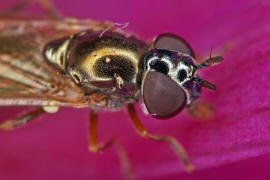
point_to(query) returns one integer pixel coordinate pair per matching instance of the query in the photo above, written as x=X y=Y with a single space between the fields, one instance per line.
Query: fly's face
x=170 y=81
x=167 y=73
x=177 y=66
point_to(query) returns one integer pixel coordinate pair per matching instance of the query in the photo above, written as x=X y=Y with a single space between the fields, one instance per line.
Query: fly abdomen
x=56 y=53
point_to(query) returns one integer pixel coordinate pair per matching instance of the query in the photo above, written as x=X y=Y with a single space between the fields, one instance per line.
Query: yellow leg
x=95 y=147
x=21 y=120
x=200 y=110
x=176 y=146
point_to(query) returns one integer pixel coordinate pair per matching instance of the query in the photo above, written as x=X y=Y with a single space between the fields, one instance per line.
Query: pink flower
x=55 y=147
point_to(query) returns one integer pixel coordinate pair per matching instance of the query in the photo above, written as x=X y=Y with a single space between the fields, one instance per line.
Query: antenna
x=210 y=62
x=205 y=83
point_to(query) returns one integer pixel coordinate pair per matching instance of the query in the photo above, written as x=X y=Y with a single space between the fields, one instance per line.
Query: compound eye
x=162 y=96
x=173 y=42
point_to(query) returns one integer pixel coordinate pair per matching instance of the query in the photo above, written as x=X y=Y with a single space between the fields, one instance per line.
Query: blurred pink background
x=55 y=146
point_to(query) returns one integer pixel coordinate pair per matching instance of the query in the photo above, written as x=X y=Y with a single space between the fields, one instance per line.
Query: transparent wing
x=25 y=78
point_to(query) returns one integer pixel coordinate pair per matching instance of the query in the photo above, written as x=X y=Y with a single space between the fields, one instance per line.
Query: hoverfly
x=84 y=63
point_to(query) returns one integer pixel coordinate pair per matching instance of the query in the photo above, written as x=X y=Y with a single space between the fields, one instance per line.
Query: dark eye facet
x=173 y=42
x=160 y=67
x=182 y=75
x=162 y=96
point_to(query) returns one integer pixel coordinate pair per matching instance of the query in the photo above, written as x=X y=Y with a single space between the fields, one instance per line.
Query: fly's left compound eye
x=162 y=96
x=173 y=42
x=162 y=92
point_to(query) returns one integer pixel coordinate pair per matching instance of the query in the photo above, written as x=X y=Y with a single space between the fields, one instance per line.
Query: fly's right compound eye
x=162 y=92
x=162 y=96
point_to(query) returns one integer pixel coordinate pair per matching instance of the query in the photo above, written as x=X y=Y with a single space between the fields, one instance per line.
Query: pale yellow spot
x=94 y=53
x=119 y=80
x=108 y=60
x=50 y=107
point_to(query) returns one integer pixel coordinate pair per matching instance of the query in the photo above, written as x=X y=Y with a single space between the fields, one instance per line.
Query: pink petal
x=253 y=168
x=56 y=146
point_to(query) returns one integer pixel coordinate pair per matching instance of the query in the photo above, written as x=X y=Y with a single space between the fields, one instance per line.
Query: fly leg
x=21 y=120
x=200 y=110
x=47 y=6
x=175 y=145
x=95 y=147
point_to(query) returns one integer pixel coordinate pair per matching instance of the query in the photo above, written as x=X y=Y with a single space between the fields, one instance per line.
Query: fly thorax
x=107 y=64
